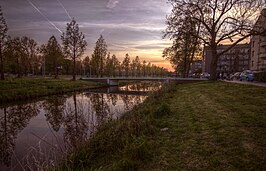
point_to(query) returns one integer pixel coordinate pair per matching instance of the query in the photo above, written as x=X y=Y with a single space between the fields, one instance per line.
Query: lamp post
x=43 y=69
x=90 y=71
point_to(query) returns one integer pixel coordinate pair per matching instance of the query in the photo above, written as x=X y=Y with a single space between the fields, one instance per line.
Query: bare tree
x=74 y=43
x=3 y=37
x=219 y=20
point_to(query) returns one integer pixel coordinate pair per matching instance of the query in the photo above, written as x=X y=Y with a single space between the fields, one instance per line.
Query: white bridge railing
x=115 y=80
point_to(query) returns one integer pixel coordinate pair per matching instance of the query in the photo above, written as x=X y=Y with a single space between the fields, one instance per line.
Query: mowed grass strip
x=195 y=126
x=215 y=126
x=26 y=88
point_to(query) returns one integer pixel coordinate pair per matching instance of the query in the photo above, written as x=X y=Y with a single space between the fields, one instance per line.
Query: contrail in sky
x=64 y=9
x=44 y=16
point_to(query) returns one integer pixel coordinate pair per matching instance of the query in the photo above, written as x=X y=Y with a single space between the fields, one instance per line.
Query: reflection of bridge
x=116 y=90
x=114 y=81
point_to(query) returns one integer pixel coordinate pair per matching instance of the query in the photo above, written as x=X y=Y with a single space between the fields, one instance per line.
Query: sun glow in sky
x=129 y=26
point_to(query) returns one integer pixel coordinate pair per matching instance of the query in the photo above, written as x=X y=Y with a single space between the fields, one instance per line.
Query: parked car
x=247 y=75
x=235 y=76
x=205 y=75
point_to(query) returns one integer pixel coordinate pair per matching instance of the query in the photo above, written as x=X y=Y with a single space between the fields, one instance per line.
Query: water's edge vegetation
x=182 y=127
x=29 y=88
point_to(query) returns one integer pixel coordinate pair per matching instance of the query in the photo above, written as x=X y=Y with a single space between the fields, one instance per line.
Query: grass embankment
x=196 y=126
x=27 y=88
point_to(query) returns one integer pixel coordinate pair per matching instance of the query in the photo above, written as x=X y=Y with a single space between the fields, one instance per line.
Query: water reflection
x=13 y=120
x=54 y=111
x=42 y=132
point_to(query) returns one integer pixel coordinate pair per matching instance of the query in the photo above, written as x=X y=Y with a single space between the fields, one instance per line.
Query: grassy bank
x=196 y=126
x=27 y=88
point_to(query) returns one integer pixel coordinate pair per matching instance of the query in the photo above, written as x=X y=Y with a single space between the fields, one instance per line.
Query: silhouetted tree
x=115 y=65
x=87 y=64
x=218 y=21
x=74 y=43
x=3 y=37
x=30 y=51
x=108 y=65
x=138 y=65
x=144 y=68
x=98 y=58
x=185 y=44
x=126 y=65
x=24 y=53
x=53 y=56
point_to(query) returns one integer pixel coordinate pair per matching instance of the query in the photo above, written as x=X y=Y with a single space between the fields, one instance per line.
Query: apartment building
x=258 y=45
x=196 y=66
x=235 y=60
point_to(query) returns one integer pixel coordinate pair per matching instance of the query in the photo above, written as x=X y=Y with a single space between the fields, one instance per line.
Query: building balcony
x=262 y=67
x=263 y=44
x=262 y=55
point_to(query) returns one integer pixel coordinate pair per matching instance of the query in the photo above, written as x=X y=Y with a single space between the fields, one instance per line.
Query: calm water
x=40 y=133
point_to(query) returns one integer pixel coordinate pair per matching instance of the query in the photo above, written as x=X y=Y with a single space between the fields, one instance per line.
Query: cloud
x=128 y=26
x=112 y=4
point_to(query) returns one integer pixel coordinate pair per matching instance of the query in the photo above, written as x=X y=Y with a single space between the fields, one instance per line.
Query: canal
x=39 y=133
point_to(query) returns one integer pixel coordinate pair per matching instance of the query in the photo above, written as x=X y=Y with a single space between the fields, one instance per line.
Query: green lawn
x=196 y=126
x=26 y=88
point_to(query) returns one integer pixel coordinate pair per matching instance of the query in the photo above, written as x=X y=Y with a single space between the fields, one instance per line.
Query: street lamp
x=43 y=69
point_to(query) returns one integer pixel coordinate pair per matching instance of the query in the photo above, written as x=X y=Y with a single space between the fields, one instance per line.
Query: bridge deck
x=145 y=78
x=114 y=81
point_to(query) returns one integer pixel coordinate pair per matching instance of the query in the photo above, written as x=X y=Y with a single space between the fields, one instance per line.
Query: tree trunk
x=101 y=67
x=214 y=59
x=74 y=69
x=56 y=72
x=76 y=119
x=2 y=64
x=19 y=68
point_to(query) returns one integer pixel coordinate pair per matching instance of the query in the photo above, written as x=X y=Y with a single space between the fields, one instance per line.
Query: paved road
x=248 y=83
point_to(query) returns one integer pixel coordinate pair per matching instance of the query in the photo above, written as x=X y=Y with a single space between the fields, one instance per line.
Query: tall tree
x=144 y=68
x=24 y=53
x=126 y=65
x=87 y=65
x=74 y=43
x=218 y=21
x=53 y=56
x=108 y=65
x=115 y=66
x=138 y=65
x=99 y=56
x=185 y=44
x=30 y=51
x=3 y=37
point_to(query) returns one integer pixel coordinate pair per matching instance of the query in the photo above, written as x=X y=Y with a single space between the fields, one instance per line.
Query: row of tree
x=22 y=56
x=103 y=64
x=196 y=23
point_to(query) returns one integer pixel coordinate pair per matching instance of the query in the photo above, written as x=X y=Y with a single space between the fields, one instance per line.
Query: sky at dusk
x=128 y=26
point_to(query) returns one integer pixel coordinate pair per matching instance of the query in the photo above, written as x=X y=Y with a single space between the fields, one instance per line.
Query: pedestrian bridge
x=115 y=80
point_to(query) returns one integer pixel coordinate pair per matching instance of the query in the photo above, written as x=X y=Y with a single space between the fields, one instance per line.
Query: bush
x=260 y=76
